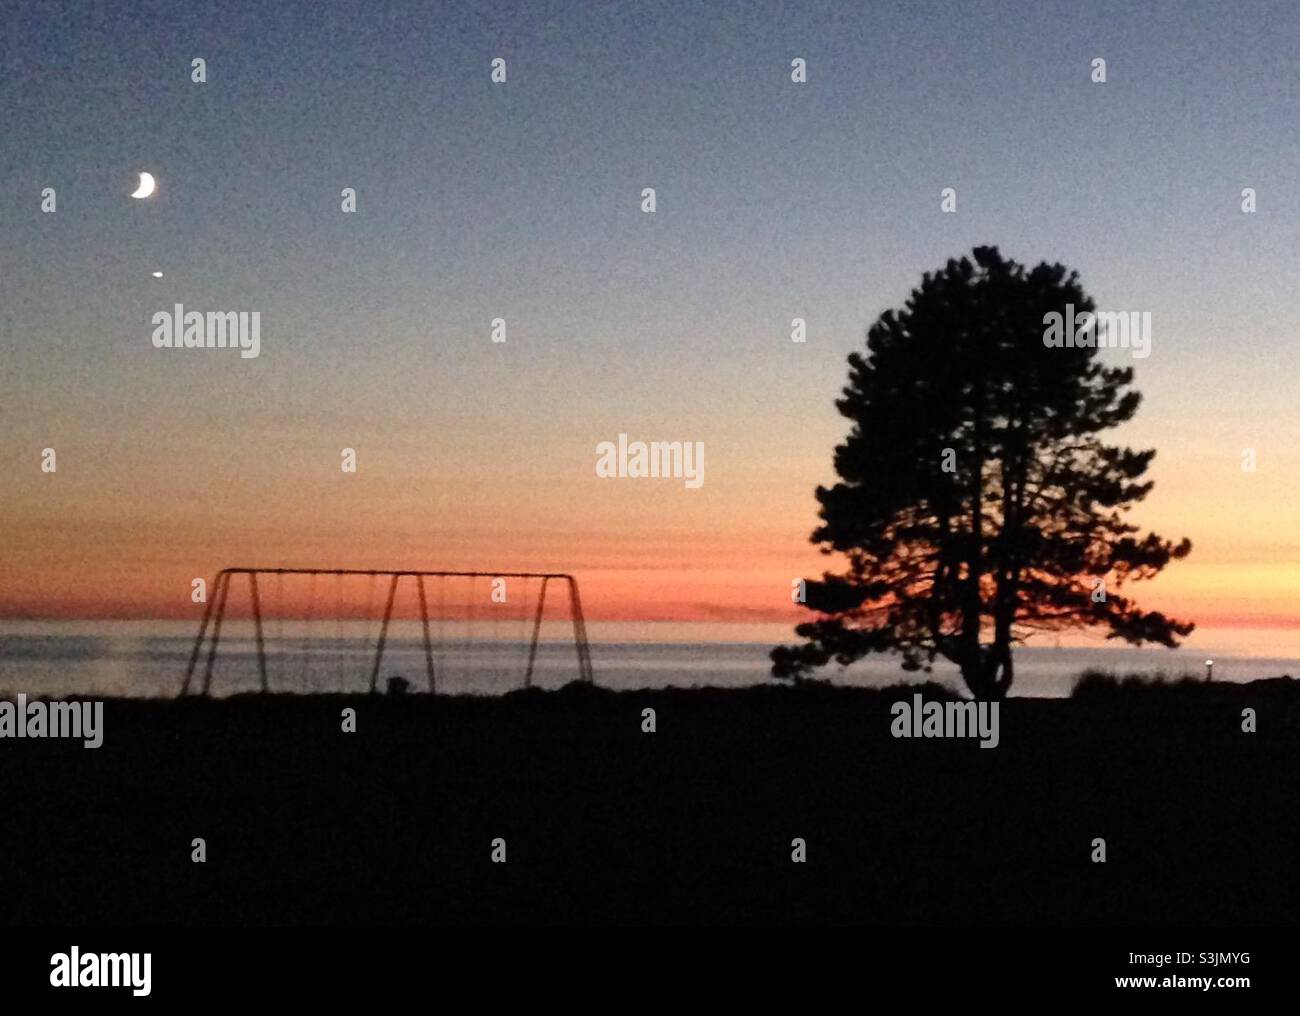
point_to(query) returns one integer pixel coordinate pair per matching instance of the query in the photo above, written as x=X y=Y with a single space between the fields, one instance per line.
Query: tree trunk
x=989 y=673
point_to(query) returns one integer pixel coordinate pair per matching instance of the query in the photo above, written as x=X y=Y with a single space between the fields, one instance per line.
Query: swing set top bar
x=398 y=571
x=222 y=591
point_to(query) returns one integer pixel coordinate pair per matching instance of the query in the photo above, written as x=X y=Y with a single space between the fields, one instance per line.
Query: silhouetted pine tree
x=977 y=502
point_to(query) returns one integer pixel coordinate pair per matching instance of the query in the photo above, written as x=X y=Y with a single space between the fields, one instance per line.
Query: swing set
x=449 y=651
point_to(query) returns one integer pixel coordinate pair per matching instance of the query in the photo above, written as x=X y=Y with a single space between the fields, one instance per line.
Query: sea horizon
x=149 y=658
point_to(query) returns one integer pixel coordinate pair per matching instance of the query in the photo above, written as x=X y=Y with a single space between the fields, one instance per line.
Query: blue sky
x=522 y=201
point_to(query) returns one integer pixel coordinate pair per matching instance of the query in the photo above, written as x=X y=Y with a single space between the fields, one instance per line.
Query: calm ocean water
x=149 y=658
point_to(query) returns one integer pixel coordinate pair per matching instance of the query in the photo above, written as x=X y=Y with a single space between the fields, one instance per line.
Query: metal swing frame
x=216 y=612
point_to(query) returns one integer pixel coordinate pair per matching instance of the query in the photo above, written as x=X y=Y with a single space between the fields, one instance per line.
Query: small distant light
x=157 y=275
x=1209 y=663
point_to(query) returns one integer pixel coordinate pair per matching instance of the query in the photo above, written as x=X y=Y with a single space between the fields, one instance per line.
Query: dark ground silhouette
x=604 y=823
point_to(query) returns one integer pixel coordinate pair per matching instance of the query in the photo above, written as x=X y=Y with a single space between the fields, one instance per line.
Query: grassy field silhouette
x=305 y=824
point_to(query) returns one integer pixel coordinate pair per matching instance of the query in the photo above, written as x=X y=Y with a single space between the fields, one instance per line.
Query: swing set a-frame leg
x=428 y=645
x=537 y=629
x=383 y=634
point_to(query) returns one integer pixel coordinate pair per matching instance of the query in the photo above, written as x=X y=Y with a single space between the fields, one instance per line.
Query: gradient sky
x=522 y=201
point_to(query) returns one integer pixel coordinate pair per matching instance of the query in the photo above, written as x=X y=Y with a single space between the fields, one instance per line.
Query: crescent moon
x=147 y=186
